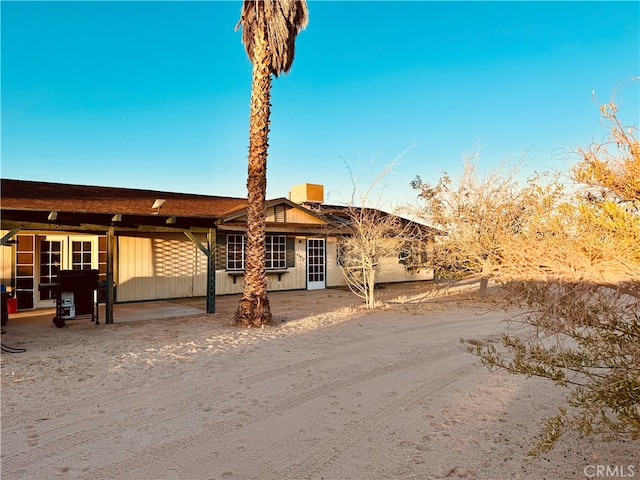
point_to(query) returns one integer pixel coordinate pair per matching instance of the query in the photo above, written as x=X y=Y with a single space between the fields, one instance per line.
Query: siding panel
x=171 y=266
x=163 y=266
x=298 y=216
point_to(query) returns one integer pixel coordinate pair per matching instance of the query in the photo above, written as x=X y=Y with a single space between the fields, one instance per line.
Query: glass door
x=315 y=263
x=50 y=264
x=25 y=276
x=62 y=252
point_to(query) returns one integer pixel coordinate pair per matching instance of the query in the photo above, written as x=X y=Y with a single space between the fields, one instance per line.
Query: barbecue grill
x=76 y=297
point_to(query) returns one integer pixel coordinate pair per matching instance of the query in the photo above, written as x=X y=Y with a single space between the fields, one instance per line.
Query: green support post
x=210 y=252
x=110 y=293
x=211 y=271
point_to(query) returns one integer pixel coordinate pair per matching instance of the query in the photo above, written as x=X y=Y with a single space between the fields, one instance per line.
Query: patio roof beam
x=197 y=242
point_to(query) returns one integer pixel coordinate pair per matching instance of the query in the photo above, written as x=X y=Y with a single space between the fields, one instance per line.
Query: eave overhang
x=100 y=222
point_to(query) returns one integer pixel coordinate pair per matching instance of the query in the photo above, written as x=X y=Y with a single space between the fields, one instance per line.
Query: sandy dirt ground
x=330 y=392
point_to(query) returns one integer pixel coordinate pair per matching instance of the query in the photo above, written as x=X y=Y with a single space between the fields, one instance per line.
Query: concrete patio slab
x=125 y=312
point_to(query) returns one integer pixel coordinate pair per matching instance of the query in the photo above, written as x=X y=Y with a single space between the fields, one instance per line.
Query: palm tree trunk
x=254 y=310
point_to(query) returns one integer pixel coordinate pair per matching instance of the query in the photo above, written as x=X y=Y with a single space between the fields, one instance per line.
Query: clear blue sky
x=155 y=95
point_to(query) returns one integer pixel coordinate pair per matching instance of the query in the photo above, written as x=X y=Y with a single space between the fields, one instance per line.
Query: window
x=275 y=251
x=235 y=252
x=102 y=268
x=413 y=255
x=50 y=259
x=25 y=274
x=81 y=252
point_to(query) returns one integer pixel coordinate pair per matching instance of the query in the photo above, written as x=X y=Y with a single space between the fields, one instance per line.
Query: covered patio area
x=125 y=312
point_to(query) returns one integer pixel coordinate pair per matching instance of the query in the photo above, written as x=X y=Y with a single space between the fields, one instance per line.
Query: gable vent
x=279 y=213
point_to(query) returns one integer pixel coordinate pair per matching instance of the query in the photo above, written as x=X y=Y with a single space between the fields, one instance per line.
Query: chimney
x=307 y=193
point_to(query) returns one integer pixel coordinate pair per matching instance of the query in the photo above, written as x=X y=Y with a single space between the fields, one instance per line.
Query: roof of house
x=344 y=215
x=34 y=204
x=30 y=195
x=44 y=205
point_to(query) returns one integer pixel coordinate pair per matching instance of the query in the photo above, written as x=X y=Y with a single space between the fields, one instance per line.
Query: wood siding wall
x=393 y=271
x=169 y=265
x=294 y=279
x=160 y=266
x=390 y=269
x=291 y=215
x=334 y=274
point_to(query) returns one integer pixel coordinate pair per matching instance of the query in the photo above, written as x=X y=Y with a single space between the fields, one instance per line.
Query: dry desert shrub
x=568 y=253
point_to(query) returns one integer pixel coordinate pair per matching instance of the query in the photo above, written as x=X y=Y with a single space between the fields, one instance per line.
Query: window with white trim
x=81 y=252
x=235 y=252
x=275 y=251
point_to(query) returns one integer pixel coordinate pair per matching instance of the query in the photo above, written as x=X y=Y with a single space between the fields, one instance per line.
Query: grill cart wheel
x=58 y=322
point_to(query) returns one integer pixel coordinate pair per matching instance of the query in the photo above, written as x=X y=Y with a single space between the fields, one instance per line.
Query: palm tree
x=269 y=29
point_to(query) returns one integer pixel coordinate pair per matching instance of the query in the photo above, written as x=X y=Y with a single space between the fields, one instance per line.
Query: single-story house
x=150 y=245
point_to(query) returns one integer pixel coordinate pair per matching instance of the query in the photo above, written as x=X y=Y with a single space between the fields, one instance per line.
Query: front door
x=51 y=263
x=315 y=263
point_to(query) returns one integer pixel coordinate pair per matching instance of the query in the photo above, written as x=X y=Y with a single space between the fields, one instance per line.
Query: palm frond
x=283 y=20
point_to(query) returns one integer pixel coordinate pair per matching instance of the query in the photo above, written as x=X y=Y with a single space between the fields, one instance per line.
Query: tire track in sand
x=87 y=424
x=327 y=451
x=190 y=457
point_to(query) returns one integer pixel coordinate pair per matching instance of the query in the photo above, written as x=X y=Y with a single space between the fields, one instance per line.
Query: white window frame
x=81 y=259
x=275 y=252
x=235 y=239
